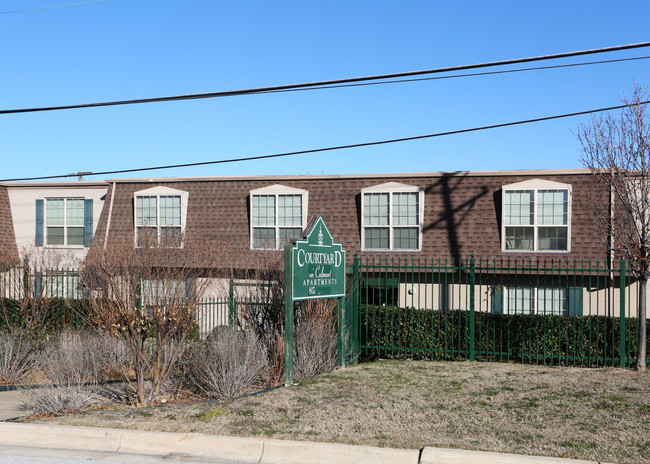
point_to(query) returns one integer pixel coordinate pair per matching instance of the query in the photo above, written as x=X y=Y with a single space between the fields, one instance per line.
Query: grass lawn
x=596 y=414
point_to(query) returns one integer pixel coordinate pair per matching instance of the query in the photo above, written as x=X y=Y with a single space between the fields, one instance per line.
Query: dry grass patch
x=597 y=414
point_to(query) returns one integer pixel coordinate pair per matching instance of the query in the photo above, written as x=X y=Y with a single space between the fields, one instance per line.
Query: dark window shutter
x=496 y=299
x=88 y=221
x=40 y=214
x=575 y=301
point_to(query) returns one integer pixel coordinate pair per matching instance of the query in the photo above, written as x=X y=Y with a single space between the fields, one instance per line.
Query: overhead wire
x=332 y=148
x=454 y=76
x=25 y=10
x=328 y=83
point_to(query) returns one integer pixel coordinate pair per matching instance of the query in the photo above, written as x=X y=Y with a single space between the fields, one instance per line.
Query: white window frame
x=65 y=225
x=277 y=190
x=158 y=192
x=535 y=185
x=535 y=300
x=392 y=188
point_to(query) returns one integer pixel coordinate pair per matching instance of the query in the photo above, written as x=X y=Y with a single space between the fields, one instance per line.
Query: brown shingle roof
x=461 y=210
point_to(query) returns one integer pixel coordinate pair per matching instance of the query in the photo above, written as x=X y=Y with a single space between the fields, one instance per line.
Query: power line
x=50 y=7
x=338 y=147
x=454 y=76
x=327 y=83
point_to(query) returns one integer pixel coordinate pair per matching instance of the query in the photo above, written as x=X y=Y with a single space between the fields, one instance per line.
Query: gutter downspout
x=110 y=215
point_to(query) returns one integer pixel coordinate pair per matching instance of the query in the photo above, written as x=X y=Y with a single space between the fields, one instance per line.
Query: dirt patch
x=596 y=414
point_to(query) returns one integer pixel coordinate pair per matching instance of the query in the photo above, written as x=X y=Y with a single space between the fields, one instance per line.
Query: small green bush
x=393 y=332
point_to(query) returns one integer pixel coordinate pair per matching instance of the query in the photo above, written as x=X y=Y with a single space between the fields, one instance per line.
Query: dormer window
x=392 y=217
x=536 y=216
x=160 y=215
x=278 y=216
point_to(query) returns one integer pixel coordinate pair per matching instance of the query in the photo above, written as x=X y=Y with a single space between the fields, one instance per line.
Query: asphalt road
x=28 y=455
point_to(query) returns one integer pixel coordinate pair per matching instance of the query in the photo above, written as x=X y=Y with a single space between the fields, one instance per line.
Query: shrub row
x=55 y=315
x=393 y=332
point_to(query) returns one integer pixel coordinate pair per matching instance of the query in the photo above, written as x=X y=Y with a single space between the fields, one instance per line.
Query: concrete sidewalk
x=11 y=404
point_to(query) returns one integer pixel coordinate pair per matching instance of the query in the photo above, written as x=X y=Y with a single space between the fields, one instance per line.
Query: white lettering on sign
x=305 y=257
x=319 y=282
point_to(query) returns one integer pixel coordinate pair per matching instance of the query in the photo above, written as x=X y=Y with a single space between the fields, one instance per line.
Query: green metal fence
x=533 y=311
x=61 y=301
x=553 y=312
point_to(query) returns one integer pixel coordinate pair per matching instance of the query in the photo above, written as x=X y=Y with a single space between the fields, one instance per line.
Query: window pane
x=54 y=212
x=405 y=238
x=289 y=235
x=290 y=210
x=147 y=236
x=55 y=236
x=75 y=235
x=405 y=209
x=552 y=238
x=519 y=300
x=264 y=239
x=552 y=207
x=264 y=210
x=519 y=238
x=170 y=210
x=146 y=213
x=377 y=238
x=75 y=212
x=552 y=301
x=375 y=209
x=518 y=207
x=170 y=236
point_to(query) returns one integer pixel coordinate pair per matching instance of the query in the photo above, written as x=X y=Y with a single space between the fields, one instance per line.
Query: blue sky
x=128 y=49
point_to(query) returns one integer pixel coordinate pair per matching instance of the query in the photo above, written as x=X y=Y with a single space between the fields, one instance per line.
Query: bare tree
x=146 y=296
x=617 y=150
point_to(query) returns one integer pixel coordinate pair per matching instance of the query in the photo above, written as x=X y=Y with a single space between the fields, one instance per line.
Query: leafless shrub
x=315 y=338
x=146 y=297
x=17 y=357
x=227 y=363
x=262 y=310
x=71 y=370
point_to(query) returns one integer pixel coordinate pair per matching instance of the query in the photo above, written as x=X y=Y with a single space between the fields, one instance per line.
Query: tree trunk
x=641 y=342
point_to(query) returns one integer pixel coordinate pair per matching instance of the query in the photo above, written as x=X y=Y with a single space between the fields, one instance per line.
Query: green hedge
x=392 y=332
x=60 y=314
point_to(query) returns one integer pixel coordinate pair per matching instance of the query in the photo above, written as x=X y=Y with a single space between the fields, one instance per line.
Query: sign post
x=314 y=268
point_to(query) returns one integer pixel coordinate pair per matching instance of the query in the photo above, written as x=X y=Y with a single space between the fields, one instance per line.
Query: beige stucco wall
x=22 y=200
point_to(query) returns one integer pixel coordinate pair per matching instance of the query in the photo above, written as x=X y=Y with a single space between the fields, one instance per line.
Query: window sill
x=381 y=250
x=554 y=252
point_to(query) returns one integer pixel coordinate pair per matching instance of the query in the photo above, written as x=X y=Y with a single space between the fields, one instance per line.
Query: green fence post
x=623 y=354
x=355 y=311
x=472 y=289
x=341 y=334
x=138 y=292
x=288 y=318
x=231 y=304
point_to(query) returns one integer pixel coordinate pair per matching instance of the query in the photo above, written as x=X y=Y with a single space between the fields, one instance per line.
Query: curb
x=456 y=456
x=262 y=451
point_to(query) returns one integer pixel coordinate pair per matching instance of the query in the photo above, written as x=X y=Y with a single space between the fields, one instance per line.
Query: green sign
x=318 y=265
